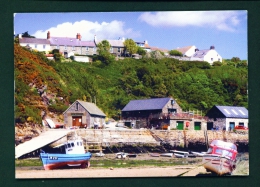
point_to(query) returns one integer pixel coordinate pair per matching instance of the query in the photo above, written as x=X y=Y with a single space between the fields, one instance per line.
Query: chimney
x=145 y=42
x=78 y=36
x=212 y=47
x=95 y=38
x=48 y=35
x=196 y=50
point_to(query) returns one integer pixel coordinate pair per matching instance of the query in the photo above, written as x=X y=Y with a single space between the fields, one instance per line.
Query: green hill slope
x=43 y=85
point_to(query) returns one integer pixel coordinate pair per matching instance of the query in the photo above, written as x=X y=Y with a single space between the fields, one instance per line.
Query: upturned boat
x=220 y=158
x=75 y=156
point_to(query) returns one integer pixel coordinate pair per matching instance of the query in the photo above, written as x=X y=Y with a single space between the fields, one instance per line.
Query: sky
x=226 y=30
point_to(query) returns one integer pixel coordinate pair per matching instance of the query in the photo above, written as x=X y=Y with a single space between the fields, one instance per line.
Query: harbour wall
x=195 y=140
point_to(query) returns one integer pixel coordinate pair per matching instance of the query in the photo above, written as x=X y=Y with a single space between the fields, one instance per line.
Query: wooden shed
x=83 y=114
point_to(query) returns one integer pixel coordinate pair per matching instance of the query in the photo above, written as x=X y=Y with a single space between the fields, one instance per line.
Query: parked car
x=241 y=127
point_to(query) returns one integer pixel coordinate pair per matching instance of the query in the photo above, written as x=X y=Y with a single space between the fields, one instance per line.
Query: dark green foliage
x=104 y=54
x=175 y=53
x=141 y=51
x=27 y=35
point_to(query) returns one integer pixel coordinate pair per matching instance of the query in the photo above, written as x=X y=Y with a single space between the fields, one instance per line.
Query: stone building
x=83 y=114
x=227 y=117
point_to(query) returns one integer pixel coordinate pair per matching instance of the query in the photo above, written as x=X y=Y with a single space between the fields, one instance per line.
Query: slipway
x=42 y=140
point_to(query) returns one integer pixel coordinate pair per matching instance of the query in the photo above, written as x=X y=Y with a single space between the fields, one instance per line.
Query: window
x=72 y=144
x=77 y=106
x=111 y=49
x=87 y=48
x=73 y=48
x=94 y=49
x=241 y=124
x=57 y=47
x=43 y=46
x=211 y=59
x=35 y=46
x=65 y=47
x=118 y=50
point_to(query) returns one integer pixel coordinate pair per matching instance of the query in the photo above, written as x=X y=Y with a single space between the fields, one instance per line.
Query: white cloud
x=87 y=29
x=221 y=20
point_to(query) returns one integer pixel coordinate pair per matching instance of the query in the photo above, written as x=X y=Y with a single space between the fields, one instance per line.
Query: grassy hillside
x=195 y=85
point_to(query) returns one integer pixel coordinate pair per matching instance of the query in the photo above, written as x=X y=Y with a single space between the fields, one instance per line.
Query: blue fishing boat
x=75 y=156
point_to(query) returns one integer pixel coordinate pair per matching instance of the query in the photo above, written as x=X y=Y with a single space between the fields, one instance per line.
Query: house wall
x=38 y=47
x=81 y=58
x=169 y=106
x=190 y=52
x=225 y=122
x=212 y=56
x=81 y=50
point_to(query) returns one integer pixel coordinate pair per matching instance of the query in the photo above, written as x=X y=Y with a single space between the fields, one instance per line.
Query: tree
x=175 y=53
x=27 y=35
x=130 y=46
x=104 y=52
x=141 y=51
x=103 y=47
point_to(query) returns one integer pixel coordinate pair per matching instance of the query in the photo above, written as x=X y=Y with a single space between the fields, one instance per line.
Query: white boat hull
x=167 y=154
x=218 y=164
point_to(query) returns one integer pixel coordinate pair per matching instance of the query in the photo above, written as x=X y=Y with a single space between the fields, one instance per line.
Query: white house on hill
x=187 y=51
x=208 y=55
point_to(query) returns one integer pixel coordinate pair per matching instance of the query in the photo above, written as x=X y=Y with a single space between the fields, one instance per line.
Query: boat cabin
x=219 y=147
x=74 y=147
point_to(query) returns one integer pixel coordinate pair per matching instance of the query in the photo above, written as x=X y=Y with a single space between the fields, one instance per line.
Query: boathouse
x=150 y=113
x=83 y=114
x=227 y=117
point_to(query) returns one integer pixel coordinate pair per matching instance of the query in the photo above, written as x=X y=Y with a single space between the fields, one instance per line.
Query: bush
x=57 y=108
x=175 y=53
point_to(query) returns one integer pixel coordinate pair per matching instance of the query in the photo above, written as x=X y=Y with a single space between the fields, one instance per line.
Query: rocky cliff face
x=26 y=131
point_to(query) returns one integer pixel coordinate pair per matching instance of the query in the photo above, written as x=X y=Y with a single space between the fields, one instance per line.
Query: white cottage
x=83 y=114
x=208 y=55
x=35 y=43
x=187 y=51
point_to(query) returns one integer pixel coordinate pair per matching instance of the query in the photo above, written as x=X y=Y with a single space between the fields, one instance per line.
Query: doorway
x=209 y=125
x=77 y=121
x=231 y=126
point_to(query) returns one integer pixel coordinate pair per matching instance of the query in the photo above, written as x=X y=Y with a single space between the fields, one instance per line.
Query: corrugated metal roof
x=33 y=40
x=91 y=108
x=233 y=111
x=146 y=104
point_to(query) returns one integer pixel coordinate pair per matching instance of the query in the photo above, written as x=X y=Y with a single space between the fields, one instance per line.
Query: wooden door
x=77 y=121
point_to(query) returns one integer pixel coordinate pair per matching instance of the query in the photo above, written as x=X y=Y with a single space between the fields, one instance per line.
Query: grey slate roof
x=201 y=53
x=91 y=108
x=233 y=111
x=146 y=104
x=33 y=40
x=113 y=43
x=62 y=41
